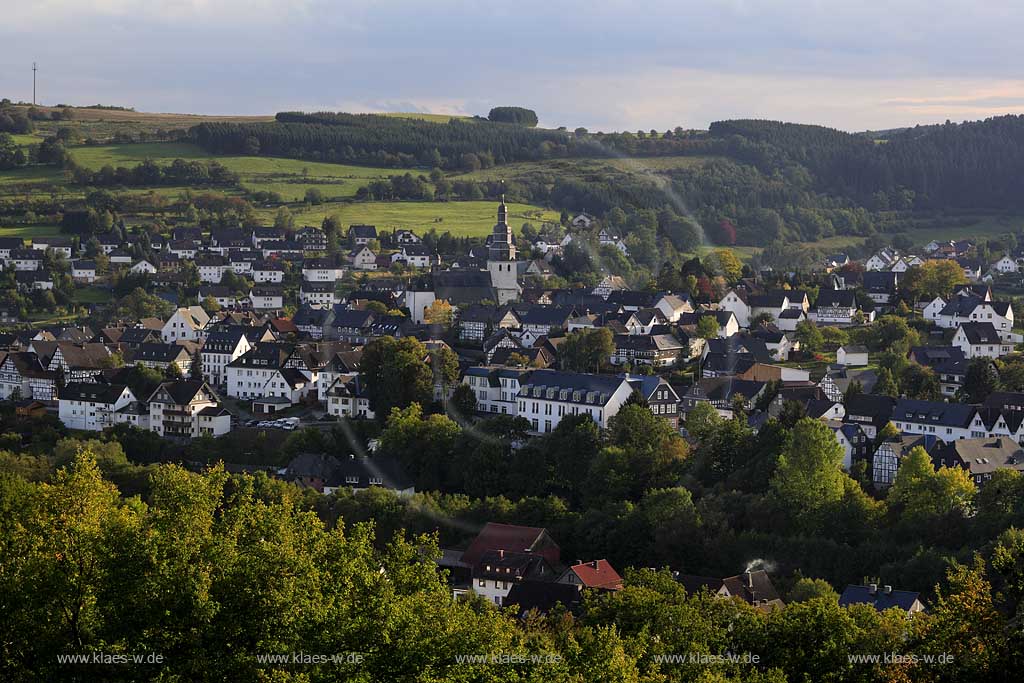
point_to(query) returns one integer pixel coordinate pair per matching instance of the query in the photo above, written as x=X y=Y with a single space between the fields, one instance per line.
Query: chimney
x=887 y=590
x=594 y=564
x=872 y=589
x=750 y=579
x=501 y=553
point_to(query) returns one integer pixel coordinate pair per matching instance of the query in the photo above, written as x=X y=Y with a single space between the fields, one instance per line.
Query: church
x=498 y=283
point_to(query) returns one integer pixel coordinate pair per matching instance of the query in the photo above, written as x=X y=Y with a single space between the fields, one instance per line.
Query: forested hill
x=966 y=166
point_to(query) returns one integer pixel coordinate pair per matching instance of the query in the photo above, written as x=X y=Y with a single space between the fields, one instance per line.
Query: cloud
x=607 y=64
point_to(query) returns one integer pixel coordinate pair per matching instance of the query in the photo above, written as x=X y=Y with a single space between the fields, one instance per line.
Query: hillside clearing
x=461 y=219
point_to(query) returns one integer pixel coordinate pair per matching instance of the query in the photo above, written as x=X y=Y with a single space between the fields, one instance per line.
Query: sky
x=602 y=64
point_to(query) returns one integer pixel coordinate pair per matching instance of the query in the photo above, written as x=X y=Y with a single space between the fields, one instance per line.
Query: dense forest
x=754 y=182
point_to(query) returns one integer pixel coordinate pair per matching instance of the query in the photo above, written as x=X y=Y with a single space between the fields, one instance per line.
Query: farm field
x=288 y=177
x=103 y=124
x=461 y=219
x=25 y=140
x=29 y=231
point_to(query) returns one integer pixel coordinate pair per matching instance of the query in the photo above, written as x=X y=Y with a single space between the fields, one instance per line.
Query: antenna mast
x=34 y=69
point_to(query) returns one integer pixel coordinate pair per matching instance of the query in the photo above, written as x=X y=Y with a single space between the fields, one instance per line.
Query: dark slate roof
x=980 y=333
x=633 y=298
x=266 y=356
x=91 y=392
x=139 y=335
x=158 y=352
x=547 y=316
x=880 y=600
x=933 y=412
x=364 y=231
x=770 y=300
x=388 y=470
x=937 y=356
x=837 y=298
x=880 y=408
x=573 y=381
x=542 y=596
x=463 y=286
x=307 y=316
x=347 y=317
x=880 y=281
x=182 y=391
x=317 y=287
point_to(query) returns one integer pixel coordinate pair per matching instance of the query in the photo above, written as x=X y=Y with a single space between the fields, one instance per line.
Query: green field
x=24 y=140
x=288 y=177
x=29 y=231
x=29 y=175
x=462 y=219
x=436 y=118
x=92 y=295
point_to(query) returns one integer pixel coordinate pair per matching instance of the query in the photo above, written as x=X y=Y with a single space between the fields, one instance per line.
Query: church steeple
x=501 y=247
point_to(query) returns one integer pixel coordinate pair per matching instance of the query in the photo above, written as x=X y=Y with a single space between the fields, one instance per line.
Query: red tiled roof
x=597 y=574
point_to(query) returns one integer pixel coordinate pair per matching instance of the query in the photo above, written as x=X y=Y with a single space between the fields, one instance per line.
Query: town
x=893 y=353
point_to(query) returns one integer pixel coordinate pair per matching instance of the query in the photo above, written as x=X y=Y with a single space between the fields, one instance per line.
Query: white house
x=416 y=256
x=319 y=294
x=320 y=270
x=1006 y=265
x=736 y=303
x=222 y=345
x=187 y=409
x=266 y=298
x=549 y=395
x=964 y=309
x=83 y=271
x=91 y=406
x=268 y=272
x=852 y=355
x=361 y=258
x=185 y=323
x=980 y=340
x=835 y=307
x=141 y=267
x=347 y=397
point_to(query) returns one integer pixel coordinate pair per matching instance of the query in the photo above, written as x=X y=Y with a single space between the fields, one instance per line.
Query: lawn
x=29 y=231
x=92 y=295
x=462 y=219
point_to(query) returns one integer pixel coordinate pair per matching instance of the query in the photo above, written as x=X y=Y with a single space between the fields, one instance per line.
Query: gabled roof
x=836 y=298
x=541 y=596
x=92 y=392
x=879 y=599
x=183 y=391
x=933 y=412
x=597 y=574
x=508 y=537
x=980 y=333
x=158 y=352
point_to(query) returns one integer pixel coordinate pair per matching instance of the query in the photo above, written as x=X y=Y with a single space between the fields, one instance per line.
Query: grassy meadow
x=30 y=231
x=462 y=219
x=288 y=177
